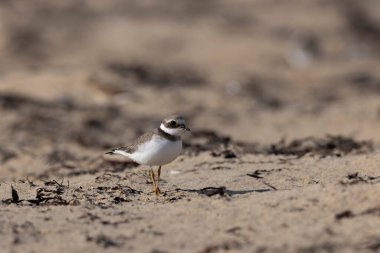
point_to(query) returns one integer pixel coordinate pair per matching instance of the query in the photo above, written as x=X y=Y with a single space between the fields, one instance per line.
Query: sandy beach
x=282 y=98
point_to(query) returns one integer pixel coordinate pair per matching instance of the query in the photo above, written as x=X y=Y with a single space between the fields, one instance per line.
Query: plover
x=157 y=147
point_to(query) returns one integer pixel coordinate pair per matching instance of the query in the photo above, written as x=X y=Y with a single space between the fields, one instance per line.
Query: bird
x=157 y=147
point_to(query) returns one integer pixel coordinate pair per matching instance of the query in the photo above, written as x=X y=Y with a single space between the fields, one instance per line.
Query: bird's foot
x=157 y=191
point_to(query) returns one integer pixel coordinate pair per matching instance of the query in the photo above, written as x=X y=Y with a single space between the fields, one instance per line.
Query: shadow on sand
x=222 y=190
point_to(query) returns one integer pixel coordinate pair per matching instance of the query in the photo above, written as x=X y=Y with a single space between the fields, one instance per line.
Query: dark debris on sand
x=156 y=76
x=54 y=193
x=105 y=241
x=15 y=199
x=329 y=146
x=218 y=145
x=224 y=146
x=355 y=178
x=63 y=120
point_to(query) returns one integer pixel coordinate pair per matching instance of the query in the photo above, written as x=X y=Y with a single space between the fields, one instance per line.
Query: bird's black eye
x=172 y=123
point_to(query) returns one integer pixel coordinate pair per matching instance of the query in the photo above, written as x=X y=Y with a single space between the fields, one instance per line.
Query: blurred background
x=85 y=76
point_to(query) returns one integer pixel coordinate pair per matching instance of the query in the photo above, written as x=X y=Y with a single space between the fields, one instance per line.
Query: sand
x=282 y=98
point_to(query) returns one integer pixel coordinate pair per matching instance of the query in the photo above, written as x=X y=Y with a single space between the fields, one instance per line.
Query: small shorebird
x=157 y=147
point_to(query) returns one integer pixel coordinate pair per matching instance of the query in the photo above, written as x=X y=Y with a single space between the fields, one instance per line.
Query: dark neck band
x=167 y=135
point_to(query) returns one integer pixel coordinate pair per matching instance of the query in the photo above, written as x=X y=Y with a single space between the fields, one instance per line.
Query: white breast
x=157 y=151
